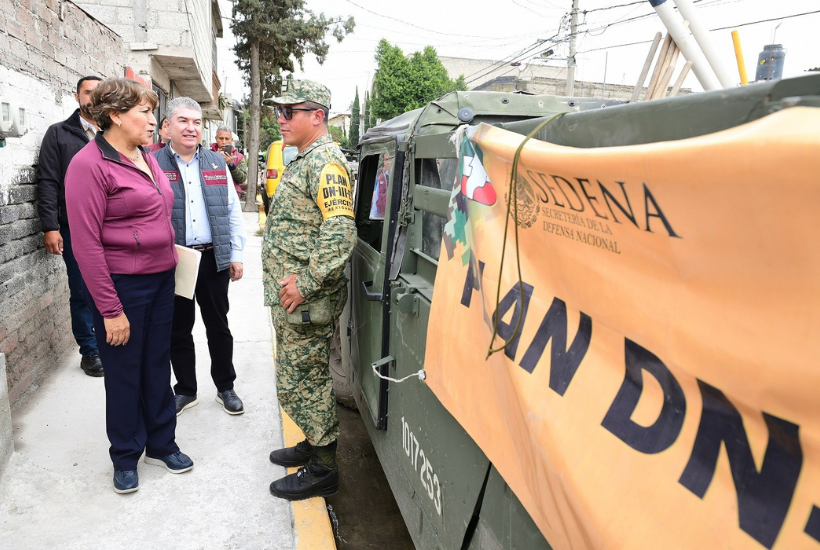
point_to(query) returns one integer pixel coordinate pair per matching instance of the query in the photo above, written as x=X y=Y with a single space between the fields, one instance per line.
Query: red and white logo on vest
x=215 y=177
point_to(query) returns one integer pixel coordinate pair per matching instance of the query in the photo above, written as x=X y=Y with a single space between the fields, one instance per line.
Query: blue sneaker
x=126 y=481
x=176 y=463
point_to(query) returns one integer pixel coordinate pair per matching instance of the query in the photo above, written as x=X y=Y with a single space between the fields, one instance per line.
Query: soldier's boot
x=318 y=478
x=293 y=456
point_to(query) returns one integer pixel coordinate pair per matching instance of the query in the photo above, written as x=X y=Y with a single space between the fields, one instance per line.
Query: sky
x=520 y=30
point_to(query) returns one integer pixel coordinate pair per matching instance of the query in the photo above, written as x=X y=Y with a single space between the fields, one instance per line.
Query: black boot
x=293 y=456
x=318 y=478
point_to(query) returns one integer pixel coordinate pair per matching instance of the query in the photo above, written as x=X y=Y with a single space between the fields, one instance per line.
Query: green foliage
x=402 y=84
x=268 y=129
x=286 y=32
x=338 y=135
x=367 y=121
x=355 y=114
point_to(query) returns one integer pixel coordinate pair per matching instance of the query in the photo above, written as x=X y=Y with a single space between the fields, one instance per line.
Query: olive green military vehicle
x=449 y=493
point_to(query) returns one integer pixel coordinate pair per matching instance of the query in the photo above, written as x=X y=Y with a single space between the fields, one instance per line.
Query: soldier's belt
x=316 y=313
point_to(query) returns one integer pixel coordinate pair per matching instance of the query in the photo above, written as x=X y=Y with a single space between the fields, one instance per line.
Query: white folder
x=187 y=271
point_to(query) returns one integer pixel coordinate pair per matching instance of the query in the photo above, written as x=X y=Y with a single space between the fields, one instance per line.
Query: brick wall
x=45 y=47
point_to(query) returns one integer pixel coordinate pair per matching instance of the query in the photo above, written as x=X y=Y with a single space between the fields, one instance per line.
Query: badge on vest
x=335 y=194
x=215 y=177
x=172 y=176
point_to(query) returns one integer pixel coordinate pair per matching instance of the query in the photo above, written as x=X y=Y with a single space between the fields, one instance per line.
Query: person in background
x=308 y=238
x=207 y=217
x=164 y=136
x=61 y=142
x=119 y=202
x=233 y=158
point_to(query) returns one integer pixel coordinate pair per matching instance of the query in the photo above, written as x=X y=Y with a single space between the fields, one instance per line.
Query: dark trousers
x=82 y=323
x=139 y=405
x=211 y=294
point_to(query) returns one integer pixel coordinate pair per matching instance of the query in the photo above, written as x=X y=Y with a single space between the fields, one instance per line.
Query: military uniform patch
x=335 y=196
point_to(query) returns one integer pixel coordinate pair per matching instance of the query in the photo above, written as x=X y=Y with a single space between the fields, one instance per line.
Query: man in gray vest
x=207 y=217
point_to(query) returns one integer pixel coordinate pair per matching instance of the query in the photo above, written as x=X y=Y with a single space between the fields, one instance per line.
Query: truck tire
x=341 y=384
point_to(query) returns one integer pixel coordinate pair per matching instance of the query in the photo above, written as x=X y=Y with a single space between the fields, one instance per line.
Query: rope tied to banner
x=512 y=199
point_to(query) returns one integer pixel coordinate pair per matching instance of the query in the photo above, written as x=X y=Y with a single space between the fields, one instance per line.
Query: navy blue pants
x=82 y=324
x=211 y=293
x=139 y=404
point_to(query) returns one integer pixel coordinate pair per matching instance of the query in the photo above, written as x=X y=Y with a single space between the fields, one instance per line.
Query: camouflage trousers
x=304 y=384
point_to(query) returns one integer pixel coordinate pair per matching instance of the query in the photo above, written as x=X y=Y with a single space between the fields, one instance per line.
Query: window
x=375 y=172
x=378 y=202
x=438 y=174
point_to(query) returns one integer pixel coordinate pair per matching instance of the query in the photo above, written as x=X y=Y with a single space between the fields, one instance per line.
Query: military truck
x=449 y=493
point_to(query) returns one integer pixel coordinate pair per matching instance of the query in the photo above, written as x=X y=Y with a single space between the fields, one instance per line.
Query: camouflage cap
x=299 y=91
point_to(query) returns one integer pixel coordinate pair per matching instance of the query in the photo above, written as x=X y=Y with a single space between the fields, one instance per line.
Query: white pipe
x=687 y=44
x=704 y=40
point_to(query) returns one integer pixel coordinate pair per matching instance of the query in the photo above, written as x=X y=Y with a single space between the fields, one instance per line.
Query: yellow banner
x=663 y=390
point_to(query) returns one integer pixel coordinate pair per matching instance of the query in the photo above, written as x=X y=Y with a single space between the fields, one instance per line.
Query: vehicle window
x=371 y=172
x=438 y=174
x=380 y=183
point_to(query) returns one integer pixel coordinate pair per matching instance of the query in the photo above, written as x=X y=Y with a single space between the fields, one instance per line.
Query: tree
x=402 y=84
x=268 y=129
x=373 y=120
x=288 y=32
x=355 y=114
x=367 y=124
x=338 y=135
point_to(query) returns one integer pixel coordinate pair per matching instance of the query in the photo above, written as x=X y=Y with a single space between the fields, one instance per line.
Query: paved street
x=57 y=491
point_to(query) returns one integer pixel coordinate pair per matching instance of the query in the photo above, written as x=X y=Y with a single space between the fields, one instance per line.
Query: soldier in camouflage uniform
x=309 y=236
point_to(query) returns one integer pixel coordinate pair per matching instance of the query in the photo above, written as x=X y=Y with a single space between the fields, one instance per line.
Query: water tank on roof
x=770 y=63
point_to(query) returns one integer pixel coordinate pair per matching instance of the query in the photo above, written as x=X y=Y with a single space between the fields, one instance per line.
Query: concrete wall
x=485 y=74
x=6 y=434
x=146 y=24
x=478 y=71
x=45 y=47
x=558 y=87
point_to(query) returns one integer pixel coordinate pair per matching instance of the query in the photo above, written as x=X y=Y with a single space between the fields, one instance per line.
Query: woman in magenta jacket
x=119 y=206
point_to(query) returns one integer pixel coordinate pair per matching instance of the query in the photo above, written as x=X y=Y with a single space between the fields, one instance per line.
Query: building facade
x=171 y=45
x=45 y=48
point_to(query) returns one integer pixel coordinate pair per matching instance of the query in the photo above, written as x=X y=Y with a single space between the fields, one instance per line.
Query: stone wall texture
x=45 y=47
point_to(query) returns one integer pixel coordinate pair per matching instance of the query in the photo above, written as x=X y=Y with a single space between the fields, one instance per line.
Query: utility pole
x=571 y=58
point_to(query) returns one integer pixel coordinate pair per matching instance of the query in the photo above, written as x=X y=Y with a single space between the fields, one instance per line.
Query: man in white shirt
x=206 y=216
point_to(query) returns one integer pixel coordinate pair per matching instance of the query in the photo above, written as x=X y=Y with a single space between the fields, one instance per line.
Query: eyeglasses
x=286 y=111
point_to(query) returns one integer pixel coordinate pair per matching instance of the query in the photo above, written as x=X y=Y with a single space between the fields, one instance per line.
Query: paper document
x=187 y=271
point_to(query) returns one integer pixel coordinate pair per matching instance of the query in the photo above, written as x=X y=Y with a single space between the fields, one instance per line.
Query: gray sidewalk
x=56 y=491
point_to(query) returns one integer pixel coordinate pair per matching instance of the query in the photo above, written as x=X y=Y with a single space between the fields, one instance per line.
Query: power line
x=618 y=46
x=767 y=20
x=499 y=64
x=504 y=60
x=411 y=24
x=718 y=29
x=613 y=7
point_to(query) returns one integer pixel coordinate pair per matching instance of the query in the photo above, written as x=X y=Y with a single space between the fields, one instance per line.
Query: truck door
x=377 y=171
x=443 y=470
